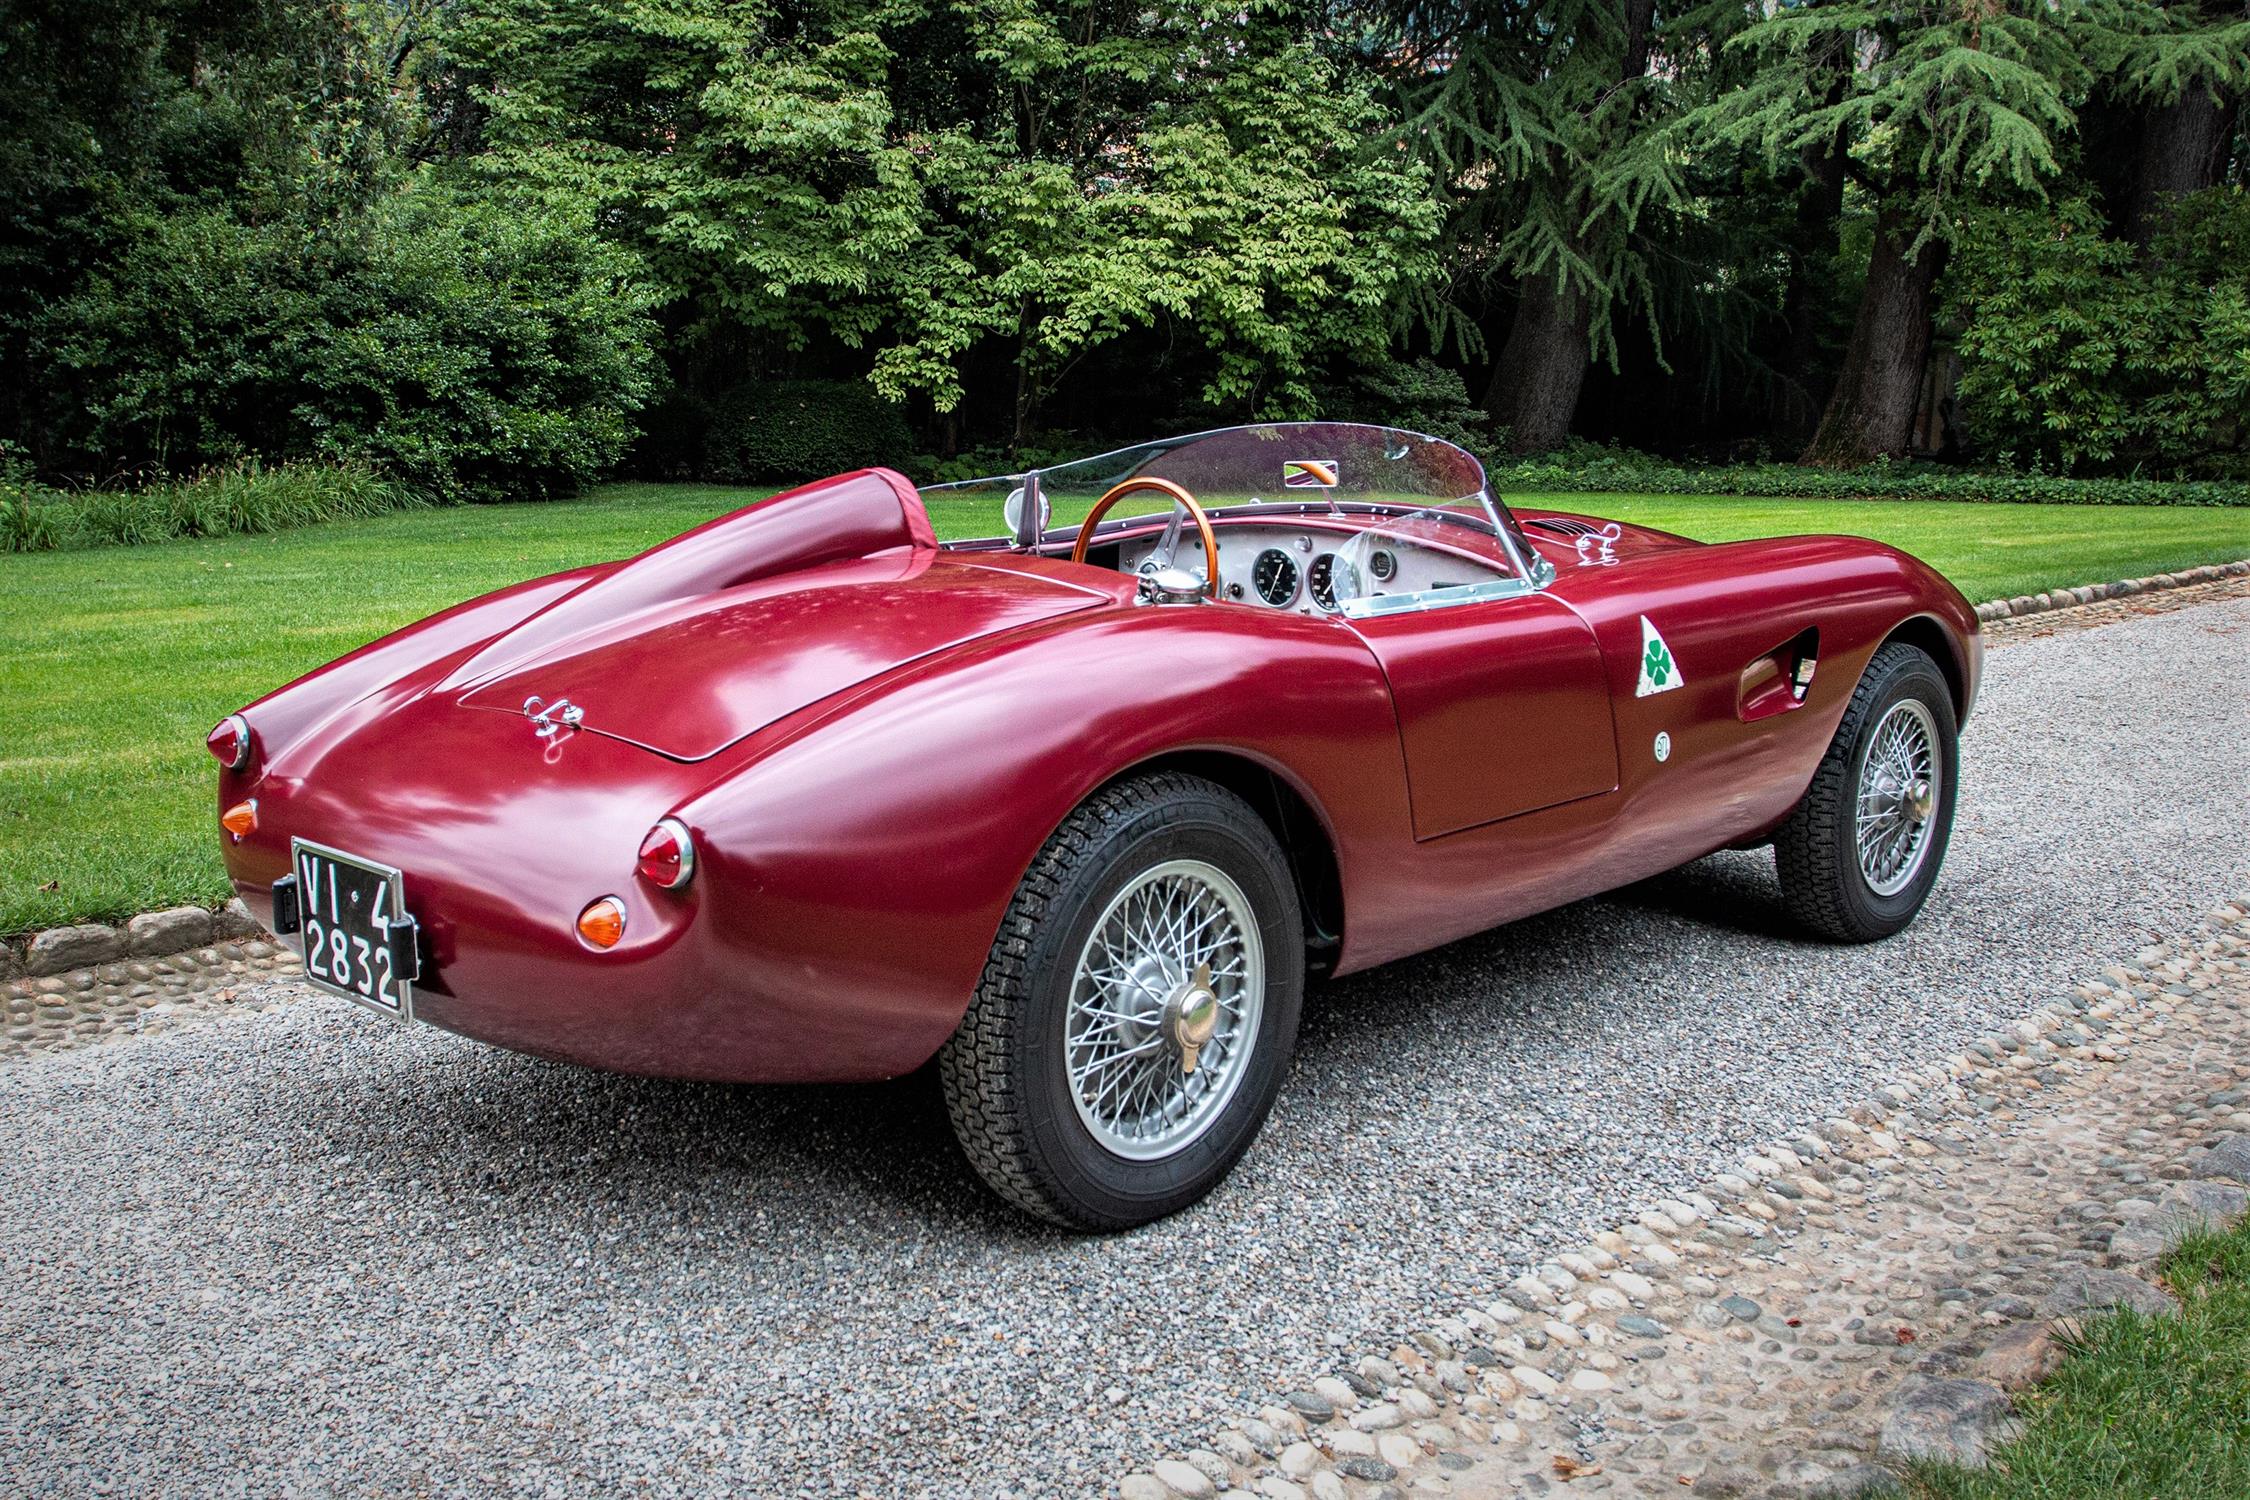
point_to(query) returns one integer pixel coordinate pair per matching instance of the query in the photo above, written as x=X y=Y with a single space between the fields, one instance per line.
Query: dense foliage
x=1580 y=468
x=493 y=248
x=474 y=350
x=801 y=429
x=2083 y=353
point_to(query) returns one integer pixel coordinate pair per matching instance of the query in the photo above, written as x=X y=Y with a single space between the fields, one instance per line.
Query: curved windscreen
x=1311 y=465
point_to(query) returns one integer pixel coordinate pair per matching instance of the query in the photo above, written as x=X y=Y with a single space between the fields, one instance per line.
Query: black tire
x=1006 y=1085
x=1817 y=853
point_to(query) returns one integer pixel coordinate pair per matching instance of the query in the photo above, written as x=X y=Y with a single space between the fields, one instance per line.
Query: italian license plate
x=358 y=941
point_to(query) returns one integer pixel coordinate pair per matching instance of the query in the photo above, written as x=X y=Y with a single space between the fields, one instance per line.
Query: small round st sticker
x=1663 y=746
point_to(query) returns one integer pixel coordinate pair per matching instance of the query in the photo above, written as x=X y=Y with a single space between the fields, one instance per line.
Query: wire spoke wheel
x=1899 y=772
x=1164 y=1009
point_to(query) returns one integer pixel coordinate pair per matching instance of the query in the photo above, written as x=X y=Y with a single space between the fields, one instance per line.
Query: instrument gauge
x=1382 y=565
x=1274 y=575
x=1333 y=581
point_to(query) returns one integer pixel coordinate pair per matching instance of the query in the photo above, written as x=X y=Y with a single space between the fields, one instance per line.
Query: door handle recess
x=1779 y=680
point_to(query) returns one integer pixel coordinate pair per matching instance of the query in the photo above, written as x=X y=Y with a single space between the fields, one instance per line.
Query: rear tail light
x=229 y=742
x=240 y=819
x=667 y=857
x=602 y=923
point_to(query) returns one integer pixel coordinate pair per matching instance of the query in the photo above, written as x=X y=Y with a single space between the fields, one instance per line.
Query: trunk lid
x=688 y=677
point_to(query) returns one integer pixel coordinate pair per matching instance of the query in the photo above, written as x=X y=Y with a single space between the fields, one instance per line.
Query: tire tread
x=981 y=1089
x=1812 y=853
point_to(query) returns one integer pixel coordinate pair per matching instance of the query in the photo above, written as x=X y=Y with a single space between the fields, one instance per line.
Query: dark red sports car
x=807 y=794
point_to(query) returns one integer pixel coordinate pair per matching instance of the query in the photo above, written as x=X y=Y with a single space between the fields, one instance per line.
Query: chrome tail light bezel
x=678 y=833
x=242 y=742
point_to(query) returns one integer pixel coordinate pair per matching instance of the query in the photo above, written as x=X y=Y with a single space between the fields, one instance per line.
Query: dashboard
x=1311 y=570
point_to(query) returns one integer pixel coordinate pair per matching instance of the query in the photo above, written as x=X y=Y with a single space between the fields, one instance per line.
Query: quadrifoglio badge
x=1659 y=672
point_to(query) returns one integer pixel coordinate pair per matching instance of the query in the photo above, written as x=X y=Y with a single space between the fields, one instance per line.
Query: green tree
x=741 y=148
x=1118 y=166
x=1949 y=105
x=931 y=180
x=1545 y=125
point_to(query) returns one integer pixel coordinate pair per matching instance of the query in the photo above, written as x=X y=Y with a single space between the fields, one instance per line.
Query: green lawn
x=1989 y=551
x=114 y=662
x=2152 y=1408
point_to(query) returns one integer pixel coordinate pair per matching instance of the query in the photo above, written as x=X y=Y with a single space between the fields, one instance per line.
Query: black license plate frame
x=355 y=936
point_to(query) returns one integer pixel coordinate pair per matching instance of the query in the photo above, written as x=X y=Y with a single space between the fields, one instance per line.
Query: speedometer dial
x=1274 y=575
x=1333 y=581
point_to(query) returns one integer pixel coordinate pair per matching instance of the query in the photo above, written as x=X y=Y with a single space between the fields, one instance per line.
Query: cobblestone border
x=139 y=996
x=1533 y=1368
x=2094 y=593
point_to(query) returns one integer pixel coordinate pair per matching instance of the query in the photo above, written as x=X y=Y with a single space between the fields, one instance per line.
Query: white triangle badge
x=1659 y=672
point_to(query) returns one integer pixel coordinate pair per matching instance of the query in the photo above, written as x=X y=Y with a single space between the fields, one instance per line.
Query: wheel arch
x=1928 y=634
x=1296 y=824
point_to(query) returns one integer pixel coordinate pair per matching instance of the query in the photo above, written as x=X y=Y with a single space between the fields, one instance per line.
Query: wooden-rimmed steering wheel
x=1180 y=497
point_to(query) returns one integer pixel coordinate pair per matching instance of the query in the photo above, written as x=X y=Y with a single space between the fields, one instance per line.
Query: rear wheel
x=1138 y=1009
x=1859 y=855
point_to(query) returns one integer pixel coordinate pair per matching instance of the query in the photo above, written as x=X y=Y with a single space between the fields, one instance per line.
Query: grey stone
x=1946 y=1419
x=2085 y=1288
x=1741 y=1307
x=2022 y=1354
x=1360 y=1466
x=2184 y=1208
x=169 y=931
x=233 y=920
x=60 y=949
x=1647 y=1328
x=1313 y=1405
x=1184 y=1479
x=2229 y=1156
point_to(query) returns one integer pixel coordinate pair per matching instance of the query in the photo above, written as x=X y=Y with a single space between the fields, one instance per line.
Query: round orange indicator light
x=603 y=923
x=240 y=819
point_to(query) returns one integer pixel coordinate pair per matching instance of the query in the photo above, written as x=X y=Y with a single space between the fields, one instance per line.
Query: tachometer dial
x=1274 y=574
x=1332 y=581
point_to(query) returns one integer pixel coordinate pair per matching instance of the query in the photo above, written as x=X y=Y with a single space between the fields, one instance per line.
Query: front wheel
x=1138 y=1009
x=1858 y=856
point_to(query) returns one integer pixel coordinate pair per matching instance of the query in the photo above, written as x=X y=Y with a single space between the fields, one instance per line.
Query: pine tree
x=1949 y=103
x=1544 y=124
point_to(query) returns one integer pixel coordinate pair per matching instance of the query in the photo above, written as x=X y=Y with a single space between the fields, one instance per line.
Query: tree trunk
x=1019 y=425
x=2183 y=150
x=1542 y=367
x=1535 y=384
x=1870 y=414
x=1820 y=216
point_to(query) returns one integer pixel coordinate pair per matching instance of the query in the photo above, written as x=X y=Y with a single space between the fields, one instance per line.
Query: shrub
x=1580 y=466
x=1419 y=395
x=473 y=350
x=224 y=502
x=2086 y=355
x=802 y=430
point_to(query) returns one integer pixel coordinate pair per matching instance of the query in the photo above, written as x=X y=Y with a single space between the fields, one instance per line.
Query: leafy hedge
x=800 y=430
x=2084 y=353
x=1586 y=467
x=224 y=502
x=475 y=351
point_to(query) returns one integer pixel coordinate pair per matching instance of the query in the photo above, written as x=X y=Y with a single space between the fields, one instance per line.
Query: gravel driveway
x=307 y=1250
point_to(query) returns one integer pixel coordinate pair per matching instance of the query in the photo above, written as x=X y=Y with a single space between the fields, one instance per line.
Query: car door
x=1502 y=699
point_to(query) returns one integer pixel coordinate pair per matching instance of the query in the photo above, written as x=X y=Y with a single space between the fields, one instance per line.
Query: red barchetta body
x=871 y=736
